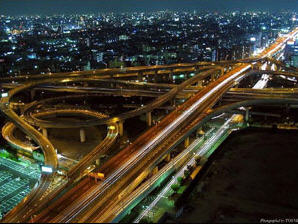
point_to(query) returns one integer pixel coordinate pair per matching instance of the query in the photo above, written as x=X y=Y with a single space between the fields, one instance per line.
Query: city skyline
x=50 y=7
x=125 y=111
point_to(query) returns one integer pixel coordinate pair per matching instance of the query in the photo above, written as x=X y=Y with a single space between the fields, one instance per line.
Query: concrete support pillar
x=168 y=157
x=82 y=135
x=171 y=77
x=32 y=94
x=222 y=72
x=22 y=109
x=120 y=126
x=97 y=162
x=246 y=115
x=155 y=170
x=149 y=119
x=173 y=102
x=45 y=132
x=268 y=66
x=200 y=131
x=186 y=142
x=200 y=84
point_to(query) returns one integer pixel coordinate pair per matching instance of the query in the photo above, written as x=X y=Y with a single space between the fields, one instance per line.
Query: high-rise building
x=123 y=37
x=88 y=42
x=87 y=67
x=99 y=57
x=294 y=61
x=291 y=53
x=214 y=55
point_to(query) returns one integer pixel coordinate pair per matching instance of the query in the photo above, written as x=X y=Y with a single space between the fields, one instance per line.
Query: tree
x=186 y=173
x=145 y=220
x=189 y=167
x=175 y=187
x=179 y=179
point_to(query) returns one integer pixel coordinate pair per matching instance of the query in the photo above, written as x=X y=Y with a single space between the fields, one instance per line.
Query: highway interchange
x=128 y=168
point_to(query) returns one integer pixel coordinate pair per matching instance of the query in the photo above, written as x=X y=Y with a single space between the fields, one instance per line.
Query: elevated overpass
x=148 y=148
x=233 y=95
x=235 y=75
x=236 y=94
x=147 y=108
x=137 y=72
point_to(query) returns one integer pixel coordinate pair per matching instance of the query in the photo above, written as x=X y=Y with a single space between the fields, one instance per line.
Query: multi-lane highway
x=8 y=134
x=50 y=159
x=124 y=168
x=214 y=87
x=127 y=73
x=189 y=153
x=20 y=213
x=144 y=145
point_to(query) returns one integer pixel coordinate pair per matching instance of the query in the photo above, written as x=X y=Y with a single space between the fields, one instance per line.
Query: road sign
x=4 y=95
x=46 y=169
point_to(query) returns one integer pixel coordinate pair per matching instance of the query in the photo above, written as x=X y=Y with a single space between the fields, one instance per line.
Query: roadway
x=91 y=191
x=234 y=75
x=107 y=211
x=128 y=72
x=144 y=145
x=197 y=148
x=118 y=73
x=85 y=195
x=20 y=212
x=154 y=136
x=121 y=117
x=234 y=94
x=238 y=94
x=217 y=113
x=8 y=134
x=50 y=159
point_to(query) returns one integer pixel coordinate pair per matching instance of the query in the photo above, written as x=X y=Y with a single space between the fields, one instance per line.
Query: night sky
x=48 y=7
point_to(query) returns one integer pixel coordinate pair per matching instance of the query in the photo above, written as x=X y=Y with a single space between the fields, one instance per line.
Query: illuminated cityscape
x=32 y=45
x=148 y=114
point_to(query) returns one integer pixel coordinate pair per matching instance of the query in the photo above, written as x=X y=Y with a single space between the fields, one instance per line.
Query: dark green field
x=252 y=176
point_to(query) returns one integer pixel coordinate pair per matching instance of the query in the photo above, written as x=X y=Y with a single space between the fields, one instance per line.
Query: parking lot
x=16 y=181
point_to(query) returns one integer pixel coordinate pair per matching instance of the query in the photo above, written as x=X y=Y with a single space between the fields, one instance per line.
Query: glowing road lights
x=143 y=151
x=220 y=132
